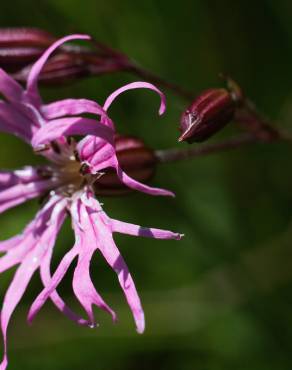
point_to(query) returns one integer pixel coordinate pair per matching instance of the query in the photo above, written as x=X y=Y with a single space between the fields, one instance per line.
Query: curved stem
x=173 y=155
x=235 y=142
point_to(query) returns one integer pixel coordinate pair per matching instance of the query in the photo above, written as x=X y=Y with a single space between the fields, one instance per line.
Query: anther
x=84 y=169
x=55 y=147
x=76 y=155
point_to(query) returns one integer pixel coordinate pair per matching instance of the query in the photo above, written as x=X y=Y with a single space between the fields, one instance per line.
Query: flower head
x=69 y=183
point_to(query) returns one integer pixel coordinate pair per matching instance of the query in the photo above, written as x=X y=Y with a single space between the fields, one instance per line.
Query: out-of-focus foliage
x=221 y=298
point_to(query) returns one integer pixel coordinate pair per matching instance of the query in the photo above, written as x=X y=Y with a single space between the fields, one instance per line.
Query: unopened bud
x=21 y=46
x=137 y=160
x=208 y=114
x=59 y=69
x=25 y=37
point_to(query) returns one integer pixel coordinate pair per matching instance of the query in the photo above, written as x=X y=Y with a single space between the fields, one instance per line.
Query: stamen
x=45 y=173
x=76 y=155
x=84 y=169
x=70 y=175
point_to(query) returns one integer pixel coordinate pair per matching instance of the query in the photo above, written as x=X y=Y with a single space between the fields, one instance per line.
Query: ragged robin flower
x=71 y=179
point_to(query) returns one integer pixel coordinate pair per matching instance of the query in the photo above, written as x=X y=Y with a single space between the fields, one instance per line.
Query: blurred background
x=220 y=299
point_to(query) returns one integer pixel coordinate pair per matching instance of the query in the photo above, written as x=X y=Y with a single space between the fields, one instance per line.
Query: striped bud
x=21 y=46
x=208 y=114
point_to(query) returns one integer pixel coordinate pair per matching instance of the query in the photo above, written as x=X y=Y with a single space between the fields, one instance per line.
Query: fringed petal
x=21 y=193
x=24 y=175
x=82 y=285
x=110 y=252
x=29 y=265
x=51 y=286
x=84 y=289
x=54 y=296
x=6 y=245
x=136 y=230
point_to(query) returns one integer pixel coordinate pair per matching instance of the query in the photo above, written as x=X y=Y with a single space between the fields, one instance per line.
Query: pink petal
x=21 y=193
x=103 y=157
x=71 y=107
x=85 y=290
x=9 y=88
x=54 y=296
x=24 y=175
x=82 y=284
x=14 y=123
x=109 y=250
x=52 y=285
x=88 y=146
x=136 y=230
x=136 y=85
x=6 y=245
x=136 y=185
x=32 y=90
x=7 y=178
x=69 y=127
x=17 y=253
x=24 y=273
x=19 y=246
x=26 y=238
x=13 y=295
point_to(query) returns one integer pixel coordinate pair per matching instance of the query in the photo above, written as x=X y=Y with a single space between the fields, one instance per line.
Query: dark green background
x=221 y=298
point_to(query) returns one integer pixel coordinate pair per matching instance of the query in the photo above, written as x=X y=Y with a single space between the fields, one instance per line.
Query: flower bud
x=60 y=69
x=209 y=113
x=67 y=66
x=21 y=46
x=25 y=37
x=138 y=161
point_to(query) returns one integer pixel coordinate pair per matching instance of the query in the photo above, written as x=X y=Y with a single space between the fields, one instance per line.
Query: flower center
x=65 y=170
x=70 y=176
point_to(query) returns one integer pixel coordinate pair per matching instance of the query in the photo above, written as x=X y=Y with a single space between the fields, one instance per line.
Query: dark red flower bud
x=19 y=37
x=137 y=160
x=67 y=66
x=20 y=46
x=208 y=114
x=59 y=69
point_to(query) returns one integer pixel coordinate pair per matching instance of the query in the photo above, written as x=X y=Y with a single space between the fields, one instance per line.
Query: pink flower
x=67 y=181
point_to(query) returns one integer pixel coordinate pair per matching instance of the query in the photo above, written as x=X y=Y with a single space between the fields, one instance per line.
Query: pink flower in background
x=67 y=181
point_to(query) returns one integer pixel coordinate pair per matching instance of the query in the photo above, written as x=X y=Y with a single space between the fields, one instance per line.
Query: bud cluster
x=21 y=47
